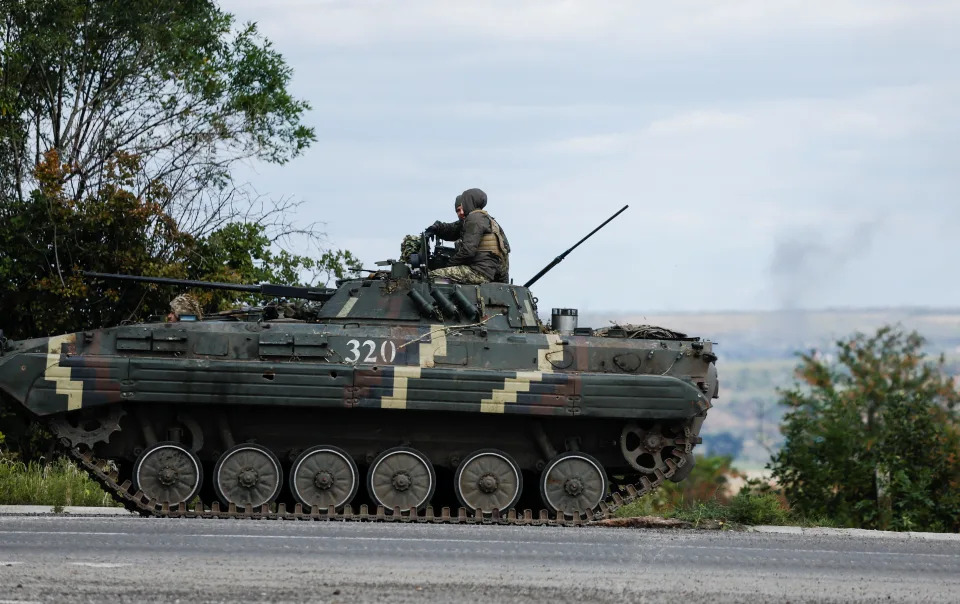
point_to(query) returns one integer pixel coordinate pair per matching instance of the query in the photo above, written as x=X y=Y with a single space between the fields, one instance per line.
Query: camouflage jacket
x=467 y=233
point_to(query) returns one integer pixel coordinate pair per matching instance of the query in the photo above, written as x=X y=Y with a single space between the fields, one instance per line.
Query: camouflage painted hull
x=288 y=365
x=363 y=386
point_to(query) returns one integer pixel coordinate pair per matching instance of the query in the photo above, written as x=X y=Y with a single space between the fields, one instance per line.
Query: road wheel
x=488 y=479
x=323 y=476
x=168 y=472
x=247 y=475
x=573 y=482
x=401 y=477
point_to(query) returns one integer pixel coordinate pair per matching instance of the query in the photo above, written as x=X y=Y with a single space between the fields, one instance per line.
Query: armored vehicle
x=390 y=391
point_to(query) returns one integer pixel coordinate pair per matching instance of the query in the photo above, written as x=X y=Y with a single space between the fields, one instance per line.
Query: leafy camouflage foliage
x=872 y=439
x=241 y=252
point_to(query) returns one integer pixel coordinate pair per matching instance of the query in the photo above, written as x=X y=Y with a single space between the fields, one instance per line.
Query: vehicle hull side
x=68 y=383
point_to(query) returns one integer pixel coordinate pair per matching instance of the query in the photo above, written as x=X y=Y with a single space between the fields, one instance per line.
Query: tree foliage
x=177 y=84
x=54 y=237
x=872 y=438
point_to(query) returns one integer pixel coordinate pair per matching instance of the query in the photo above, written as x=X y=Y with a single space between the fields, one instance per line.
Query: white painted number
x=388 y=351
x=354 y=351
x=371 y=357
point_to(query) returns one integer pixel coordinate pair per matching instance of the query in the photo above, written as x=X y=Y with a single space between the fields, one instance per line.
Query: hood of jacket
x=471 y=199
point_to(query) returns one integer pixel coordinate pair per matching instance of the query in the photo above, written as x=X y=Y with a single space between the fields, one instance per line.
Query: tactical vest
x=493 y=242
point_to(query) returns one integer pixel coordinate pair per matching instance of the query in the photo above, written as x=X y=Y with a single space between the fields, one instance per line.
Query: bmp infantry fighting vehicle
x=393 y=393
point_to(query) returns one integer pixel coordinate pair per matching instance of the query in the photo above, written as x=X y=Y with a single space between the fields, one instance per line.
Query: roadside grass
x=57 y=484
x=744 y=509
x=705 y=500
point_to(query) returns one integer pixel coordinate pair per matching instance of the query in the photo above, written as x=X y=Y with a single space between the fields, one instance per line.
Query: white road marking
x=102 y=564
x=765 y=551
x=98 y=533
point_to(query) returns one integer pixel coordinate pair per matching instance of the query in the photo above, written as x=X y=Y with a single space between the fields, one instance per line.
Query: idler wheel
x=323 y=476
x=644 y=449
x=169 y=473
x=573 y=482
x=488 y=479
x=247 y=475
x=401 y=477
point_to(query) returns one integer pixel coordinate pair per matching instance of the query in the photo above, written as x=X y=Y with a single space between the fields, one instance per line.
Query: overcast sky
x=775 y=154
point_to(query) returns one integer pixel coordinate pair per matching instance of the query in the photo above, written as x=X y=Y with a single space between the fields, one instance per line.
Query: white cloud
x=761 y=128
x=508 y=111
x=688 y=124
x=698 y=122
x=644 y=24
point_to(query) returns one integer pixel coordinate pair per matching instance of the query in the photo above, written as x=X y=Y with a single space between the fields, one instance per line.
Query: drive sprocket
x=88 y=428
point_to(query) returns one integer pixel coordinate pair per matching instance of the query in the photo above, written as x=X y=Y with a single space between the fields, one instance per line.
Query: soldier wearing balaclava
x=483 y=252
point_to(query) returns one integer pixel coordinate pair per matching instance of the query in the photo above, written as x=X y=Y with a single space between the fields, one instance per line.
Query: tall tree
x=872 y=438
x=174 y=82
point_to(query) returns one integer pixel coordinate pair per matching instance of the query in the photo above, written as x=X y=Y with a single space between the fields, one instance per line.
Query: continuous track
x=136 y=501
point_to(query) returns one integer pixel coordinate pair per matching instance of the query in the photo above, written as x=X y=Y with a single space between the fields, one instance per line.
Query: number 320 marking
x=388 y=351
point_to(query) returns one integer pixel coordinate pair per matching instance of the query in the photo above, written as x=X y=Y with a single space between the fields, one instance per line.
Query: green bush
x=56 y=484
x=746 y=508
x=757 y=508
x=871 y=438
x=704 y=496
x=709 y=481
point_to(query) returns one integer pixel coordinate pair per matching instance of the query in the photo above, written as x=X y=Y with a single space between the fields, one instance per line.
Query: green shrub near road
x=706 y=496
x=872 y=432
x=56 y=484
x=758 y=508
x=709 y=480
x=745 y=508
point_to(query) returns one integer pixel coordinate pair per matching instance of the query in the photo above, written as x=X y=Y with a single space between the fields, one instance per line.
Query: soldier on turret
x=483 y=252
x=184 y=305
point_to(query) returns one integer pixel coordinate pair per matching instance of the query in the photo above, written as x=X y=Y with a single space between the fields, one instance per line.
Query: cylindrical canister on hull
x=564 y=320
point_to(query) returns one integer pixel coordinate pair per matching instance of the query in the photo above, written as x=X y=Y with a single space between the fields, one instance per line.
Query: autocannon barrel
x=266 y=289
x=560 y=258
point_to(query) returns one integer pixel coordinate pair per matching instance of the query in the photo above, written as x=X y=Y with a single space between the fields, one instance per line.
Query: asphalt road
x=127 y=559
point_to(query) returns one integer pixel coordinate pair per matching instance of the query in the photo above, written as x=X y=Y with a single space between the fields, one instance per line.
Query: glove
x=431 y=230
